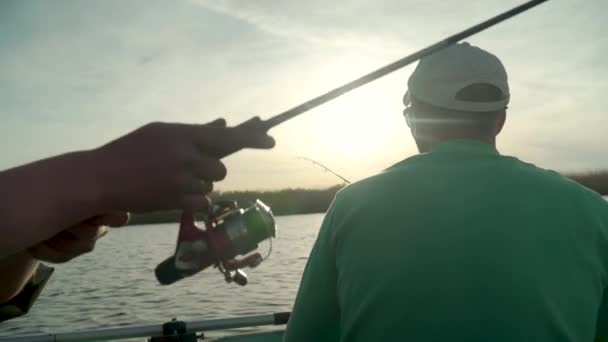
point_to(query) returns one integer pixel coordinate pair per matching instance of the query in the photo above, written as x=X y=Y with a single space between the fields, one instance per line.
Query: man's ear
x=410 y=125
x=500 y=123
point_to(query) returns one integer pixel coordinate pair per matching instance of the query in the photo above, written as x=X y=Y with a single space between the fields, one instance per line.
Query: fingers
x=87 y=232
x=195 y=203
x=217 y=123
x=194 y=196
x=45 y=253
x=197 y=187
x=243 y=138
x=155 y=166
x=221 y=141
x=115 y=219
x=68 y=244
x=77 y=240
x=209 y=169
x=254 y=133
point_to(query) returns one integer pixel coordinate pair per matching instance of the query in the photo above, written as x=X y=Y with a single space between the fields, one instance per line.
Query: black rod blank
x=374 y=75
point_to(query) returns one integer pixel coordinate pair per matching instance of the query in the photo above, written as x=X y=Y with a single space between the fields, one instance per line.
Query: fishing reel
x=229 y=231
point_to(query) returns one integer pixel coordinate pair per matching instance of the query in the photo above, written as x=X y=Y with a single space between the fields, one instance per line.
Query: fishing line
x=326 y=169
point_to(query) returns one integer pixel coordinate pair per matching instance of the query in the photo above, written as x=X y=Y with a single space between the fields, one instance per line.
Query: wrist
x=44 y=197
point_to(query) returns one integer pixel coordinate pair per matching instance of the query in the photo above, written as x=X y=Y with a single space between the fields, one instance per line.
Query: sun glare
x=348 y=126
x=359 y=124
x=358 y=134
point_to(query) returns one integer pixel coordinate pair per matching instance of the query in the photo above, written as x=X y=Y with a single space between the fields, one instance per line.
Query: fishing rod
x=278 y=119
x=231 y=230
x=326 y=169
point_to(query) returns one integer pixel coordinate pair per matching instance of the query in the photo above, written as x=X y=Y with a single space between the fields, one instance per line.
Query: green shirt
x=459 y=244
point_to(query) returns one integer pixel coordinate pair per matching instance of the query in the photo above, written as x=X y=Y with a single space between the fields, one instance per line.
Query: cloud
x=89 y=71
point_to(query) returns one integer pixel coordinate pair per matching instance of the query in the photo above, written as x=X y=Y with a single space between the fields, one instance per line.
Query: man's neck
x=427 y=146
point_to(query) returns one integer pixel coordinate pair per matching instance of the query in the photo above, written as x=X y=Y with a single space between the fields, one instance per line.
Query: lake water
x=115 y=284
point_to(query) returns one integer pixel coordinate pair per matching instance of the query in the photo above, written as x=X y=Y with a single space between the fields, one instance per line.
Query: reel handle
x=166 y=272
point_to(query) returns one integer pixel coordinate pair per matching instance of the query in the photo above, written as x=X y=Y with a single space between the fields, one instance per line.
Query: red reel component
x=229 y=231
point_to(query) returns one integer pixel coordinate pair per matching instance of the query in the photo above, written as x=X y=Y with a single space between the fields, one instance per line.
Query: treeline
x=306 y=201
x=595 y=180
x=288 y=201
x=282 y=202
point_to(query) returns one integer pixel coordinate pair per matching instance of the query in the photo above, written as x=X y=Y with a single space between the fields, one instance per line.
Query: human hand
x=77 y=240
x=168 y=165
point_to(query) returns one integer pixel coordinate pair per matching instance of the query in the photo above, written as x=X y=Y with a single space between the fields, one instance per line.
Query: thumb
x=217 y=123
x=114 y=219
x=252 y=133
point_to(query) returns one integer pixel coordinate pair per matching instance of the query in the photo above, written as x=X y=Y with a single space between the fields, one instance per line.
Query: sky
x=76 y=74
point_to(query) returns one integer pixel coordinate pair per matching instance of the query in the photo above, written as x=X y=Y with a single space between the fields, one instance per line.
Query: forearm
x=42 y=198
x=15 y=270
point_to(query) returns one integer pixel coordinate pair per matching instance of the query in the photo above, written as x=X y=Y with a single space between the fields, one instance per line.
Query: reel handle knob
x=167 y=273
x=240 y=277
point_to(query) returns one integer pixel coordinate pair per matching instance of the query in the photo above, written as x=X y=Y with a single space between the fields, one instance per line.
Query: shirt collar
x=464 y=146
x=451 y=148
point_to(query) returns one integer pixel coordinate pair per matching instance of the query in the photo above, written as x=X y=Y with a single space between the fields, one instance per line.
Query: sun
x=354 y=125
x=362 y=131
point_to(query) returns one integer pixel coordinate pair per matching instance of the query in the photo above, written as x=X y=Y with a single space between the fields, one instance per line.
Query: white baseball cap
x=439 y=77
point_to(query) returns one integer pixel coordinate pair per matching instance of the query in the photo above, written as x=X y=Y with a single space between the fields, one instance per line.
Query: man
x=55 y=209
x=458 y=243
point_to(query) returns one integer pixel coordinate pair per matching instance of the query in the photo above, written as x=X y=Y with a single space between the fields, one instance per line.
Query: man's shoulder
x=412 y=170
x=405 y=174
x=556 y=181
x=378 y=183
